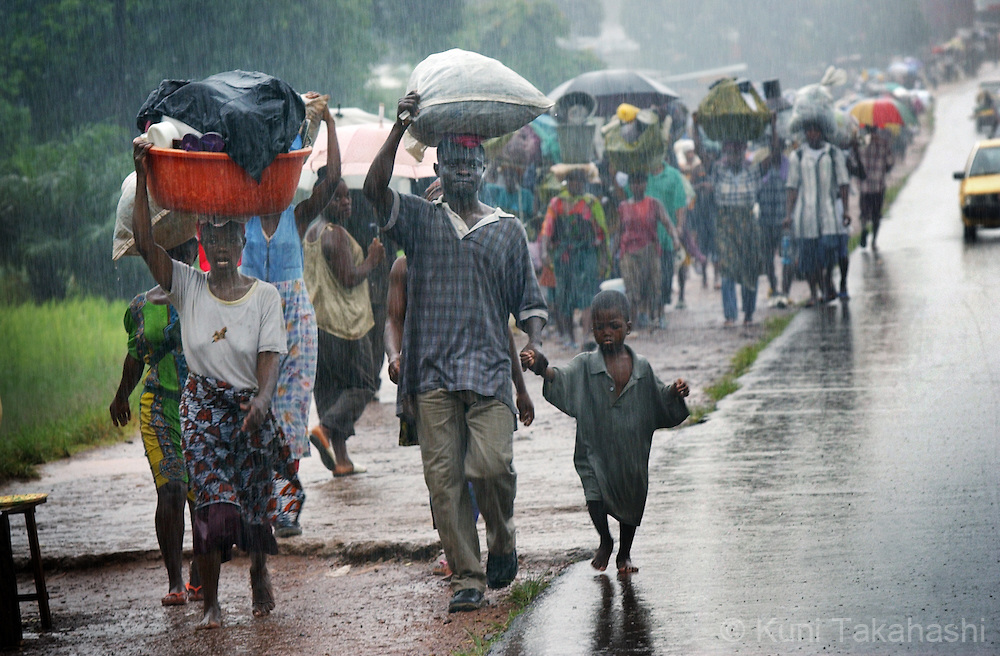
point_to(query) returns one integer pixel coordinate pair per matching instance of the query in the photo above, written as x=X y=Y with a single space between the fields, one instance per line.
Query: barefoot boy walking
x=618 y=402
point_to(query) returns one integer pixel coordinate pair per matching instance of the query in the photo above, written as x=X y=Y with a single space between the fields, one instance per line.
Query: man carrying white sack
x=469 y=270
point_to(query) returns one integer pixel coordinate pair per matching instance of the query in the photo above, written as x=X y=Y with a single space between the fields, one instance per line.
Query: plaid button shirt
x=736 y=188
x=877 y=159
x=460 y=292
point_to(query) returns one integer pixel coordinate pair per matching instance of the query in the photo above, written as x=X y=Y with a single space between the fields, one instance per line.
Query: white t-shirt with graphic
x=221 y=339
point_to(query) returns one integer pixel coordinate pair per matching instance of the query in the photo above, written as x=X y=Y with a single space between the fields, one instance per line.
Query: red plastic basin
x=212 y=183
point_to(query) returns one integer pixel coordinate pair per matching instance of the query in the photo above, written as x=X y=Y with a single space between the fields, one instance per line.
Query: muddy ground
x=359 y=580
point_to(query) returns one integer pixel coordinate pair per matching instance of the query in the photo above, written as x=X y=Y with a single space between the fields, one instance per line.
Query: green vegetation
x=57 y=206
x=520 y=597
x=524 y=35
x=59 y=369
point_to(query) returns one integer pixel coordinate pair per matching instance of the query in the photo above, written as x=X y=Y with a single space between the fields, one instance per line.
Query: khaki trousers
x=468 y=437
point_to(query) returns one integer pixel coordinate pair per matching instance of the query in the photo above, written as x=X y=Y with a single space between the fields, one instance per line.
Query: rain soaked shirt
x=818 y=177
x=736 y=188
x=877 y=159
x=276 y=258
x=614 y=433
x=574 y=223
x=222 y=338
x=154 y=337
x=667 y=186
x=462 y=285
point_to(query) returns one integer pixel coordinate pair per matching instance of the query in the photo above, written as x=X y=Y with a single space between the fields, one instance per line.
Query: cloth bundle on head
x=464 y=140
x=588 y=172
x=258 y=115
x=636 y=145
x=813 y=103
x=733 y=111
x=217 y=221
x=681 y=148
x=452 y=145
x=169 y=228
x=627 y=113
x=463 y=92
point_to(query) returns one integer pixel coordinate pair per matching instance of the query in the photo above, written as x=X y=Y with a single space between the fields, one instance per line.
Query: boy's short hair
x=612 y=299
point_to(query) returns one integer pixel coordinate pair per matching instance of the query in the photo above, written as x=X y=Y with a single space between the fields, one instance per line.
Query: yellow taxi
x=979 y=193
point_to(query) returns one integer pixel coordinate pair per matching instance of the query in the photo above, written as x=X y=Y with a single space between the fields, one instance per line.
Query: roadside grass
x=59 y=368
x=520 y=597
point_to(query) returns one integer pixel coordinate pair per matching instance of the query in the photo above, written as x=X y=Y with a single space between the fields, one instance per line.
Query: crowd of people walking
x=306 y=303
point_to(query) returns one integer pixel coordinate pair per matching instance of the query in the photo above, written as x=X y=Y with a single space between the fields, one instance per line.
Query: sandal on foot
x=194 y=592
x=356 y=469
x=174 y=599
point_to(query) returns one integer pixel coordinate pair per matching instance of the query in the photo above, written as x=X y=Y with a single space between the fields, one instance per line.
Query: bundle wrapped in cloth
x=634 y=140
x=813 y=103
x=463 y=92
x=733 y=111
x=257 y=115
x=169 y=228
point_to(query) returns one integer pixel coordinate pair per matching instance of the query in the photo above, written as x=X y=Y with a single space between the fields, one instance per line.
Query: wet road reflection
x=845 y=499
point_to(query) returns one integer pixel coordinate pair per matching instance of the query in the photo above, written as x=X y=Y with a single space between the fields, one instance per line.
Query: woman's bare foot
x=625 y=566
x=212 y=619
x=602 y=556
x=263 y=595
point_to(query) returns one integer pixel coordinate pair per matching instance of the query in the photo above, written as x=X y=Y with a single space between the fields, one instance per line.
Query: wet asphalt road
x=845 y=500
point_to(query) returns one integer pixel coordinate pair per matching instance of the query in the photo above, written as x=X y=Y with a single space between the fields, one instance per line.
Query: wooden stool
x=10 y=609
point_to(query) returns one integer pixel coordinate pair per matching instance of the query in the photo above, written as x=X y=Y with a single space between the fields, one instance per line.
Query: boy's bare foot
x=602 y=556
x=625 y=566
x=212 y=619
x=263 y=595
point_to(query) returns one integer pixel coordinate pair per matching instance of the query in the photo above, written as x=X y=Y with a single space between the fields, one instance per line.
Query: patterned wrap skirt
x=297 y=373
x=740 y=245
x=231 y=472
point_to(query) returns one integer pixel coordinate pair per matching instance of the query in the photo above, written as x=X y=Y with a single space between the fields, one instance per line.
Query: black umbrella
x=613 y=87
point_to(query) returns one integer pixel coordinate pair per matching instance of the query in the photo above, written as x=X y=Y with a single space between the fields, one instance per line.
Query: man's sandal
x=194 y=592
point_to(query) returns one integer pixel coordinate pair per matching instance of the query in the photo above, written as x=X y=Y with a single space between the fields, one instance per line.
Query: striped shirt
x=461 y=288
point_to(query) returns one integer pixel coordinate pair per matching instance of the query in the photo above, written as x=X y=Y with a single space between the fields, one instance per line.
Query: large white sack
x=814 y=104
x=463 y=92
x=169 y=228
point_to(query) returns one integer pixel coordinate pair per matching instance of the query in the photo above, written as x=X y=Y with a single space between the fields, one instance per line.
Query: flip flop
x=357 y=469
x=318 y=438
x=174 y=599
x=194 y=592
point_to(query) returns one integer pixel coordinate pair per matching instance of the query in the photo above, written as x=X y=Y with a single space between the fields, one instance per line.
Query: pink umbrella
x=358 y=146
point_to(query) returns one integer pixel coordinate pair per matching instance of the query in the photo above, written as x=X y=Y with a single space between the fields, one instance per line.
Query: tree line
x=76 y=72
